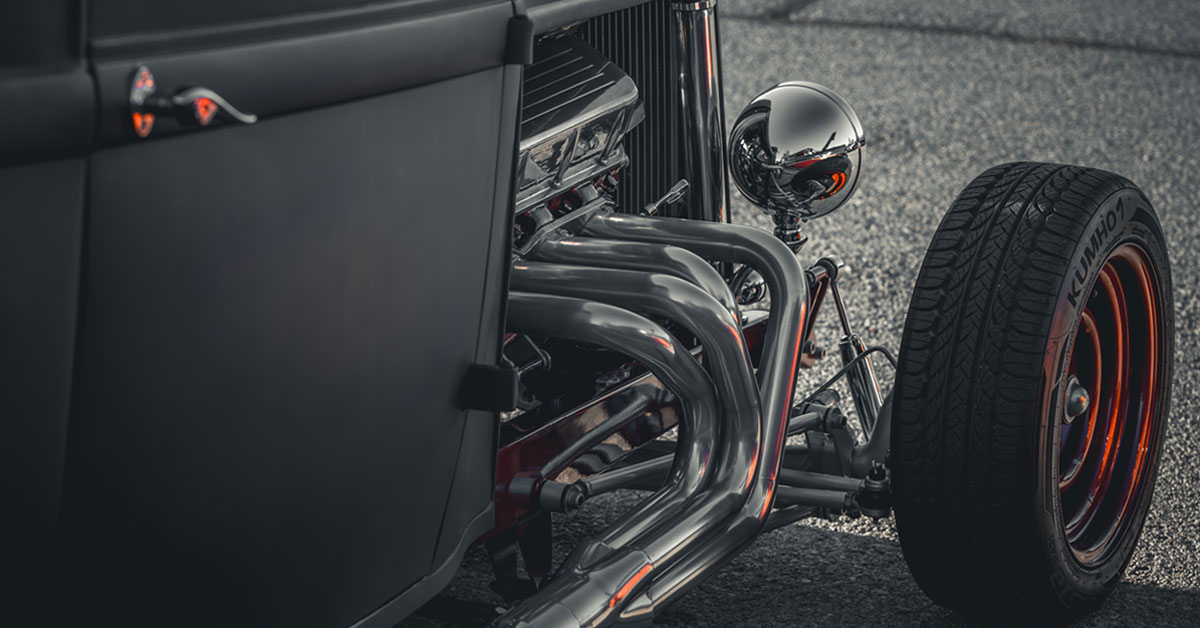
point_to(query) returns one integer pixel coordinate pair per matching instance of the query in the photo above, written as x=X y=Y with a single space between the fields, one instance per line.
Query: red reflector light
x=205 y=110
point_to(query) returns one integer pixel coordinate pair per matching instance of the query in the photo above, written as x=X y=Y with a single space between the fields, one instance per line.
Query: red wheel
x=1031 y=393
x=1110 y=419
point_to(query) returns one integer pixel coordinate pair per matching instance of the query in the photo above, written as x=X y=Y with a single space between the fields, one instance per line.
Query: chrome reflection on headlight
x=796 y=151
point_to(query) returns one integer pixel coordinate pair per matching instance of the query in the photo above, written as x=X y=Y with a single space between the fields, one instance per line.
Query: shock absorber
x=861 y=379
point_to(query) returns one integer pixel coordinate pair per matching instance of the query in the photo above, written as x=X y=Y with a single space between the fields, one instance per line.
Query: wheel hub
x=1078 y=399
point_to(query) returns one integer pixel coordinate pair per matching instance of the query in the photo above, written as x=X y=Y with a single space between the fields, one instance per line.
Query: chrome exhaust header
x=671 y=522
x=658 y=551
x=786 y=282
x=725 y=354
x=645 y=256
x=670 y=361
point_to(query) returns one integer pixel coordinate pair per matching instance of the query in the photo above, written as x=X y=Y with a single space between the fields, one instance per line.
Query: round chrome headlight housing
x=796 y=151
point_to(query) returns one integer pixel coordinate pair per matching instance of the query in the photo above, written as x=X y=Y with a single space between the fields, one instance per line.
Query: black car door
x=274 y=318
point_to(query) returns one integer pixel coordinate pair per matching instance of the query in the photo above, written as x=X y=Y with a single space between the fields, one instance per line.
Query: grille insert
x=639 y=40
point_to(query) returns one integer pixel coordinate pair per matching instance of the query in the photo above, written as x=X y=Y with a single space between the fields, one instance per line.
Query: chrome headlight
x=796 y=151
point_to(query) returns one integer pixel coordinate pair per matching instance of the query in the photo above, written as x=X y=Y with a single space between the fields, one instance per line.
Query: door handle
x=193 y=106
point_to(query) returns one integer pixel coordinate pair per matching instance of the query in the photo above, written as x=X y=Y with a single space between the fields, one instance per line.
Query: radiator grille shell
x=641 y=41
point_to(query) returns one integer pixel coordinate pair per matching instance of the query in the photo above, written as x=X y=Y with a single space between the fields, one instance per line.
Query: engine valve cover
x=577 y=107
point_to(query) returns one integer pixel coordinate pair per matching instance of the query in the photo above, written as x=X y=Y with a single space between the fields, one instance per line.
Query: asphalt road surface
x=945 y=89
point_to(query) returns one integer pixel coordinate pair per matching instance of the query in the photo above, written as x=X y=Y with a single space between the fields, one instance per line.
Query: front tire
x=1015 y=496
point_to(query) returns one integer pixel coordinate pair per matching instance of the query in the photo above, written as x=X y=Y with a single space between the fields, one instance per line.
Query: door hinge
x=489 y=387
x=518 y=49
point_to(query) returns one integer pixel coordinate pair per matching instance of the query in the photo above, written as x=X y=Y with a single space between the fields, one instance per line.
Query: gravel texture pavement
x=944 y=90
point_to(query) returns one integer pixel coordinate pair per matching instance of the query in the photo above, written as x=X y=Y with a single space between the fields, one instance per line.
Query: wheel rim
x=1105 y=453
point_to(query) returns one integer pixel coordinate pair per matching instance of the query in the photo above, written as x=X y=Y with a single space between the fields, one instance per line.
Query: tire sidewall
x=1123 y=217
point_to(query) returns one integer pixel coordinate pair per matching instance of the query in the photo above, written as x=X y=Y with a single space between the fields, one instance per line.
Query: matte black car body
x=212 y=400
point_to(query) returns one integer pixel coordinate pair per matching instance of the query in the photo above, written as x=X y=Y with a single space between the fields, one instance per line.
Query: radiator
x=640 y=40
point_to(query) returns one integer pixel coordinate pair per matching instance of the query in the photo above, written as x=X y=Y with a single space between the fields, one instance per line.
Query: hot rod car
x=304 y=299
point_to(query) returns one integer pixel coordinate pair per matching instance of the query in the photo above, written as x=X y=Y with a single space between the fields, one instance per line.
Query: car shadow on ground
x=814 y=573
x=832 y=577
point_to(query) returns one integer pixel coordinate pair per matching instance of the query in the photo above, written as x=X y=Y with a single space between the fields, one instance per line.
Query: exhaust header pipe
x=671 y=522
x=785 y=279
x=634 y=335
x=662 y=548
x=645 y=256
